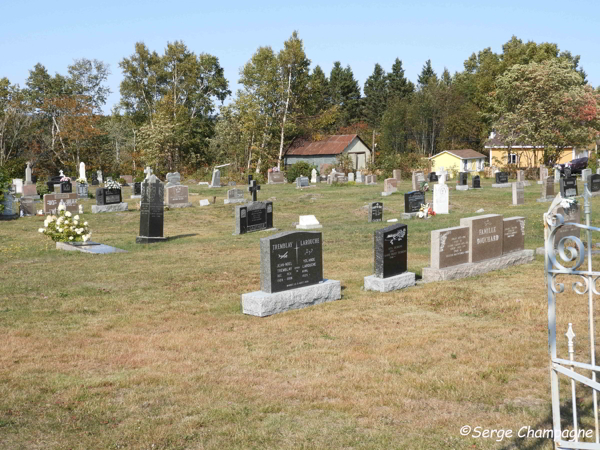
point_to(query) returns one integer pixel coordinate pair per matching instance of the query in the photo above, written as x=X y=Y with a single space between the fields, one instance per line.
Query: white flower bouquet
x=65 y=227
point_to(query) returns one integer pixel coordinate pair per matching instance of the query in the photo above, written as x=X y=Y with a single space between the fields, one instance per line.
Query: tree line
x=172 y=115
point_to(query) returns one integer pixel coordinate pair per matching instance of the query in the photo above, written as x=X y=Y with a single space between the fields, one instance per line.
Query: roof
x=463 y=154
x=496 y=141
x=331 y=145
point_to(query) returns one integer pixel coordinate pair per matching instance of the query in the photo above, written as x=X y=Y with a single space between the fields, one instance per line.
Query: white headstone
x=442 y=178
x=359 y=176
x=308 y=222
x=313 y=176
x=204 y=202
x=585 y=173
x=18 y=184
x=99 y=175
x=60 y=173
x=148 y=172
x=28 y=174
x=82 y=171
x=351 y=176
x=557 y=175
x=440 y=198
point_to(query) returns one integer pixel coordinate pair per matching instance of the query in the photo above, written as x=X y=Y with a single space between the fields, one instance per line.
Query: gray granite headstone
x=216 y=179
x=518 y=193
x=568 y=187
x=291 y=260
x=485 y=236
x=449 y=247
x=514 y=235
x=173 y=179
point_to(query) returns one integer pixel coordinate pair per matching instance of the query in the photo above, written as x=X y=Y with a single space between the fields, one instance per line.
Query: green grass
x=149 y=349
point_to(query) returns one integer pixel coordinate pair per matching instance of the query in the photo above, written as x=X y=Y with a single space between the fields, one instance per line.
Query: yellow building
x=525 y=155
x=458 y=161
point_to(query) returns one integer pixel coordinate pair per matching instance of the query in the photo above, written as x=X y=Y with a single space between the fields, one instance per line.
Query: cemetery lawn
x=149 y=349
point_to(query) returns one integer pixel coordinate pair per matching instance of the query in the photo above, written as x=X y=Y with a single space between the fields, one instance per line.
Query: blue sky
x=356 y=33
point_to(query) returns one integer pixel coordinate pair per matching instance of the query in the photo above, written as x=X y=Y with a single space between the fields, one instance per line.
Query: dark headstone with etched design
x=152 y=212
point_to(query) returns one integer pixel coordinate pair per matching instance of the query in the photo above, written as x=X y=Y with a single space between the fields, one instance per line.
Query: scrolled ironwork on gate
x=571 y=257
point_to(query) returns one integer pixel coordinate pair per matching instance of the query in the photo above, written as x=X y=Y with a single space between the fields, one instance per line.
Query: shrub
x=405 y=162
x=122 y=181
x=301 y=168
x=593 y=161
x=41 y=187
x=66 y=228
x=5 y=183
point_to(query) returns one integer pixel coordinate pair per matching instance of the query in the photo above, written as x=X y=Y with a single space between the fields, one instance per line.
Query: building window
x=465 y=165
x=512 y=158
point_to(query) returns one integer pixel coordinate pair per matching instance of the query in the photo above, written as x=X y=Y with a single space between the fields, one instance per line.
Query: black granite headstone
x=95 y=181
x=255 y=216
x=568 y=187
x=390 y=245
x=376 y=212
x=66 y=187
x=253 y=189
x=291 y=260
x=433 y=177
x=105 y=196
x=152 y=211
x=413 y=201
x=249 y=179
x=463 y=178
x=476 y=182
x=594 y=183
x=137 y=188
x=501 y=178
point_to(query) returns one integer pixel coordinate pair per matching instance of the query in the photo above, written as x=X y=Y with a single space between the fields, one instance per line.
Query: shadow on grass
x=566 y=410
x=172 y=238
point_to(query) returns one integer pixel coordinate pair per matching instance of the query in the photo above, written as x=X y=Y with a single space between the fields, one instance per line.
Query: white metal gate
x=571 y=252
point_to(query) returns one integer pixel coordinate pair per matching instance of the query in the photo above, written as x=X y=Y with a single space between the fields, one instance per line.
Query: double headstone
x=301 y=182
x=176 y=196
x=501 y=180
x=255 y=216
x=375 y=212
x=52 y=201
x=234 y=196
x=291 y=275
x=109 y=200
x=390 y=249
x=276 y=178
x=152 y=212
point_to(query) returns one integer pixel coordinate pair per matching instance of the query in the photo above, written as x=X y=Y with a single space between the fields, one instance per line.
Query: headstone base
x=263 y=304
x=502 y=185
x=179 y=205
x=227 y=201
x=211 y=186
x=460 y=187
x=540 y=182
x=149 y=240
x=33 y=197
x=9 y=216
x=259 y=231
x=404 y=280
x=543 y=200
x=109 y=208
x=88 y=247
x=300 y=187
x=204 y=183
x=472 y=269
x=135 y=196
x=308 y=227
x=595 y=194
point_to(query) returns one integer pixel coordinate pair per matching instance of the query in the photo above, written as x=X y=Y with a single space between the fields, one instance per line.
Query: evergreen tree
x=375 y=98
x=397 y=84
x=345 y=92
x=426 y=74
